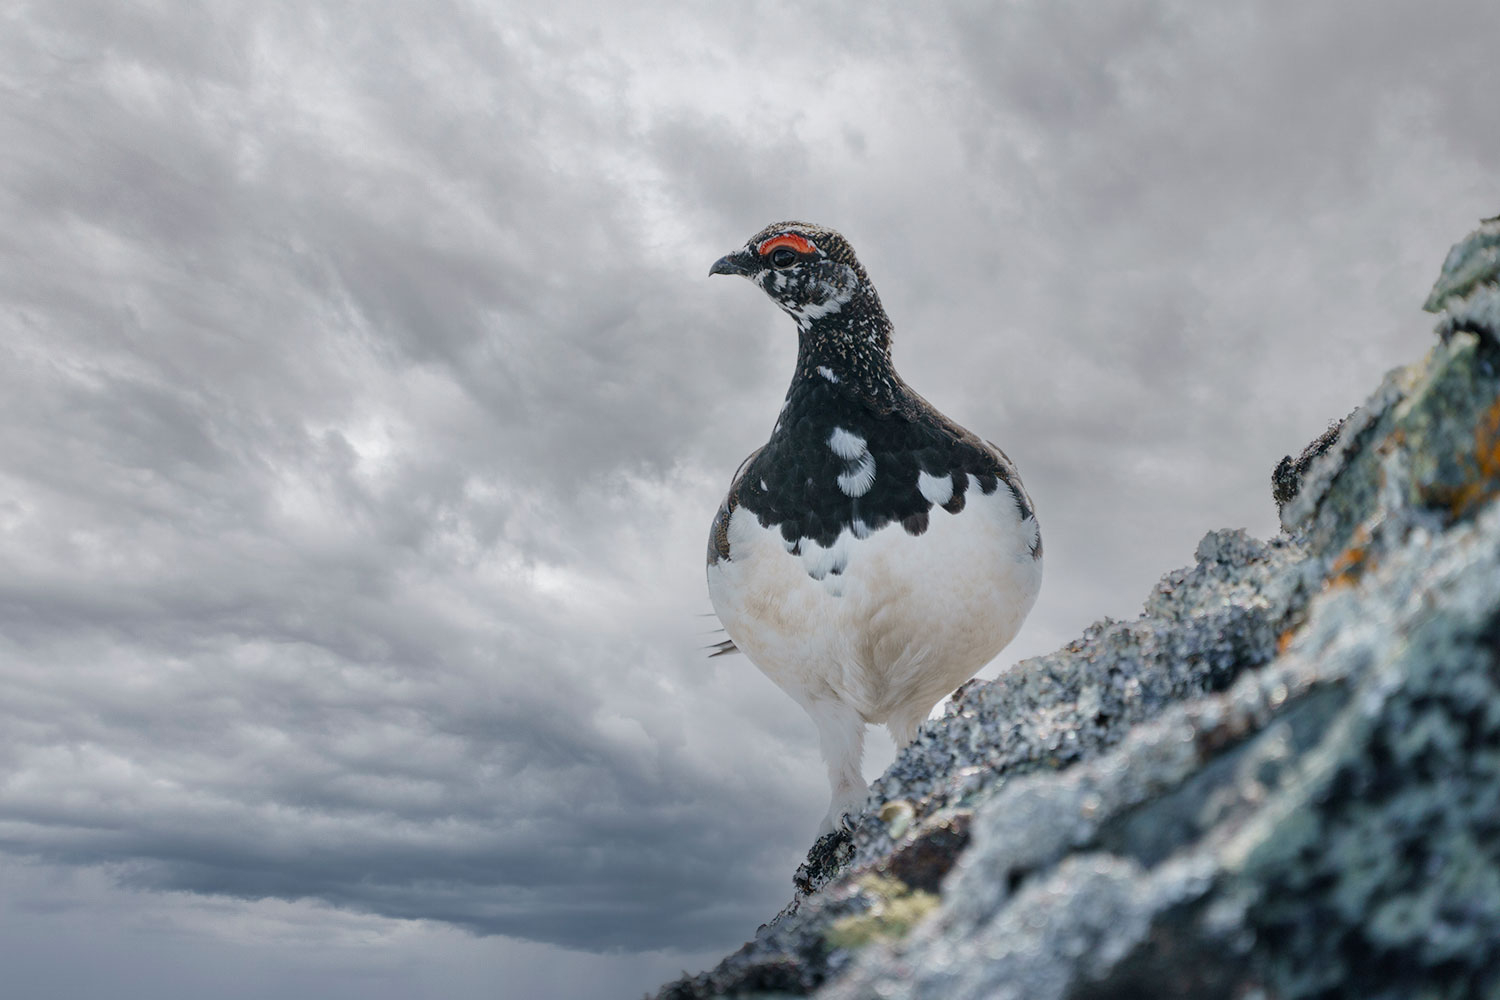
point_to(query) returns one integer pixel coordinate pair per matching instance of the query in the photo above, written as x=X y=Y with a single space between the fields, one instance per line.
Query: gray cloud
x=365 y=400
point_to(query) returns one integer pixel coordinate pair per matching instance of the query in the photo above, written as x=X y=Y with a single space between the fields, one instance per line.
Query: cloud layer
x=365 y=401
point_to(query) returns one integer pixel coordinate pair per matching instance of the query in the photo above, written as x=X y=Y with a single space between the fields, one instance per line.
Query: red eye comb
x=792 y=240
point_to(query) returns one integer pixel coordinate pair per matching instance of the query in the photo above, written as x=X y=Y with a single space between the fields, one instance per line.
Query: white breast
x=906 y=620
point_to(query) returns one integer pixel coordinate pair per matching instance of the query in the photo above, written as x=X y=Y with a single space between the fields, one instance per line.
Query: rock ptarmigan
x=872 y=555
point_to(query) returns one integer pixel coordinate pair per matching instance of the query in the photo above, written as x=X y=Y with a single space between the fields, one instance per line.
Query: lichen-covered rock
x=1467 y=291
x=1327 y=827
x=896 y=909
x=1201 y=627
x=1380 y=874
x=1281 y=780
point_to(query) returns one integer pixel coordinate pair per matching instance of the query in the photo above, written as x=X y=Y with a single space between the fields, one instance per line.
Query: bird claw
x=842 y=822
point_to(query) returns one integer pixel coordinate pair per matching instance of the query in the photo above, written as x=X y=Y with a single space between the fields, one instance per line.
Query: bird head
x=807 y=270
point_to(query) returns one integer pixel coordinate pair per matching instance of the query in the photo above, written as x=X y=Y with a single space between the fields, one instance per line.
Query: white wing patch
x=847 y=445
x=937 y=489
x=855 y=482
x=827 y=373
x=858 y=482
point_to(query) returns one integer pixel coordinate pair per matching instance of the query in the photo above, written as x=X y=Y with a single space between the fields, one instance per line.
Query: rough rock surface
x=1281 y=781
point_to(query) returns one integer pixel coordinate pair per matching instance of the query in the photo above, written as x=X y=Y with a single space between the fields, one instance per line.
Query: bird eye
x=783 y=257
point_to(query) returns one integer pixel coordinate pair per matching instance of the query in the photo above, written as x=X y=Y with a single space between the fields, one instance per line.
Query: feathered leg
x=841 y=735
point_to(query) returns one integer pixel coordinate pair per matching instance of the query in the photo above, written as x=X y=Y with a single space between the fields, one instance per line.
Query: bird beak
x=734 y=263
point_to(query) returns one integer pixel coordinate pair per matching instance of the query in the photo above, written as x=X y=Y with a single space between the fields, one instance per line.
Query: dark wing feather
x=718 y=532
x=723 y=648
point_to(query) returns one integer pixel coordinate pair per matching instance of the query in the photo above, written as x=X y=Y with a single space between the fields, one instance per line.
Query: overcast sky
x=366 y=402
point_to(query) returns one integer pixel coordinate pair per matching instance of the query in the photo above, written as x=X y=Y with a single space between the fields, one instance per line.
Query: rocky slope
x=1281 y=781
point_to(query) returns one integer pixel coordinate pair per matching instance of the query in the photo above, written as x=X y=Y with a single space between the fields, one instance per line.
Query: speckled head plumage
x=808 y=270
x=811 y=272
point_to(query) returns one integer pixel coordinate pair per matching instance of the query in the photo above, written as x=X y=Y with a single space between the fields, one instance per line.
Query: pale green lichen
x=897 y=816
x=895 y=911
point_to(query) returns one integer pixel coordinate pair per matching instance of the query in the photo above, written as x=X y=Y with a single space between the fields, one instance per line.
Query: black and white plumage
x=873 y=554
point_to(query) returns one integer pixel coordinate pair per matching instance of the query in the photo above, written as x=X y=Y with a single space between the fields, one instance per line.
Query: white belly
x=909 y=618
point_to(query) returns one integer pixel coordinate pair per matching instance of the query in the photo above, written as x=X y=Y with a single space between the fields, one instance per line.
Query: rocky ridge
x=1282 y=780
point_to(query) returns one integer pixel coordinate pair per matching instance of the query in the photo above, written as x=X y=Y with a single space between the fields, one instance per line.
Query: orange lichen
x=1350 y=564
x=1284 y=640
x=1486 y=481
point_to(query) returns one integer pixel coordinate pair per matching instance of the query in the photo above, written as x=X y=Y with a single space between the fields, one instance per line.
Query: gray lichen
x=1467 y=291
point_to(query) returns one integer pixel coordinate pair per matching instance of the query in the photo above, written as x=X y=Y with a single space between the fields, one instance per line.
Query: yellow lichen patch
x=1284 y=640
x=896 y=910
x=897 y=816
x=1486 y=480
